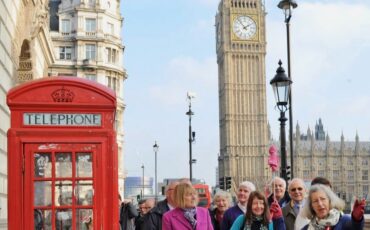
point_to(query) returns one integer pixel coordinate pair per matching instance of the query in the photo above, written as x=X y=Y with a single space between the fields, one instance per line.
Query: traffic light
x=221 y=182
x=228 y=183
x=288 y=174
x=138 y=197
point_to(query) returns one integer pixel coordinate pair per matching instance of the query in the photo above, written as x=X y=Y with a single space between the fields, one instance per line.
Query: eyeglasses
x=295 y=189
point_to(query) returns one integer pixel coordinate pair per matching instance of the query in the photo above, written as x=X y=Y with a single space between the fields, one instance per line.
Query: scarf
x=331 y=220
x=256 y=224
x=189 y=214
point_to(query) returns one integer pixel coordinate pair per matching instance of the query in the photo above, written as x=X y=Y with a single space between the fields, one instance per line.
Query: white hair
x=334 y=200
x=223 y=194
x=249 y=185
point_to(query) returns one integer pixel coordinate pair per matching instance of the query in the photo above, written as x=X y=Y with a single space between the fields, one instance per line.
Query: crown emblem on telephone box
x=63 y=95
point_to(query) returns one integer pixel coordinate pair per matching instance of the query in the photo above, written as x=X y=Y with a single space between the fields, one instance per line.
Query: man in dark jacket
x=127 y=215
x=153 y=219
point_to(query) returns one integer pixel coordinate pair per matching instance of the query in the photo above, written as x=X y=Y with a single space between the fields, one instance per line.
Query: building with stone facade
x=86 y=38
x=344 y=163
x=45 y=38
x=241 y=50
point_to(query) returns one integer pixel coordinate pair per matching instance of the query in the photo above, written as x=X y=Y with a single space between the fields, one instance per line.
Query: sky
x=170 y=50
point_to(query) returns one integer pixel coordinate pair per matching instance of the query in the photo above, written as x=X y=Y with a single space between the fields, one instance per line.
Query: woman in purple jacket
x=186 y=215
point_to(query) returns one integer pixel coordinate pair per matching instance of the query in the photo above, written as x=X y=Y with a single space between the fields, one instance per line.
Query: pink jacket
x=175 y=220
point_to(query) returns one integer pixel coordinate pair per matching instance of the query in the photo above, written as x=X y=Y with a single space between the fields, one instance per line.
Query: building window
x=90 y=25
x=65 y=52
x=365 y=162
x=321 y=173
x=91 y=77
x=365 y=190
x=90 y=52
x=66 y=26
x=307 y=162
x=336 y=175
x=365 y=174
x=335 y=161
x=111 y=55
x=350 y=175
x=306 y=174
x=110 y=28
x=113 y=81
x=350 y=161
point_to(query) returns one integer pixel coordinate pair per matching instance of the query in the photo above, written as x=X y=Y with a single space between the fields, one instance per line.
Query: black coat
x=216 y=225
x=126 y=216
x=153 y=219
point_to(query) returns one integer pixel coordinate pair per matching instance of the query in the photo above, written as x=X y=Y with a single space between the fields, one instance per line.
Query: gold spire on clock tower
x=241 y=50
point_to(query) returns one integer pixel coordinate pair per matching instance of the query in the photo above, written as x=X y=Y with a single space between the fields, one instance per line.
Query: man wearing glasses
x=297 y=191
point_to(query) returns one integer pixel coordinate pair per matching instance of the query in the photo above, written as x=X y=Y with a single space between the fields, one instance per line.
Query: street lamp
x=281 y=86
x=190 y=95
x=287 y=6
x=155 y=149
x=142 y=181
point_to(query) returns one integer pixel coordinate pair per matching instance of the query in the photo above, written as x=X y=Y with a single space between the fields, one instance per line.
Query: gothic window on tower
x=65 y=27
x=306 y=174
x=321 y=173
x=365 y=174
x=350 y=175
x=365 y=162
x=336 y=175
x=365 y=190
x=350 y=161
x=65 y=52
x=90 y=51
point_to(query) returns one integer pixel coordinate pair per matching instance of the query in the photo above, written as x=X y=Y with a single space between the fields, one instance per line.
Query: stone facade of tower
x=86 y=36
x=344 y=163
x=241 y=49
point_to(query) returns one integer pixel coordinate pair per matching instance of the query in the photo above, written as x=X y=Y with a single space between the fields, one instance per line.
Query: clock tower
x=241 y=50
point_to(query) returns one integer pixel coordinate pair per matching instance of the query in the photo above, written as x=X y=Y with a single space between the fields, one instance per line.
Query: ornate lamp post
x=155 y=149
x=190 y=113
x=281 y=86
x=287 y=6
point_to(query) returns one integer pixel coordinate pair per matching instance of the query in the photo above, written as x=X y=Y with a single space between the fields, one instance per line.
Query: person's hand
x=275 y=210
x=358 y=210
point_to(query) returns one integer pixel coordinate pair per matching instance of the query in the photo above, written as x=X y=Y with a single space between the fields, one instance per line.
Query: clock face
x=244 y=27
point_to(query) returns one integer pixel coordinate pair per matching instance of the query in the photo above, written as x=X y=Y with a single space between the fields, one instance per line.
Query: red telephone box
x=62 y=156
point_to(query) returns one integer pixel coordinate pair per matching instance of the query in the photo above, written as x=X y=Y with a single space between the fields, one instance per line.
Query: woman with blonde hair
x=324 y=210
x=186 y=215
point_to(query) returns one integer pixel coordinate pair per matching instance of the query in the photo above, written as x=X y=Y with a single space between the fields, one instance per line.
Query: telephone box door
x=60 y=183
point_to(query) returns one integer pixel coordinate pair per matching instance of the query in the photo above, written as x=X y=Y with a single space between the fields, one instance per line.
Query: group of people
x=287 y=207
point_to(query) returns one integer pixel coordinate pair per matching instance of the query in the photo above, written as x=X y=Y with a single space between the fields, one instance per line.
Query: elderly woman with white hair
x=323 y=208
x=222 y=200
x=245 y=188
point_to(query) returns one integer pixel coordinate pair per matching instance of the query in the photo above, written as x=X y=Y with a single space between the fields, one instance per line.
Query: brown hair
x=266 y=211
x=180 y=191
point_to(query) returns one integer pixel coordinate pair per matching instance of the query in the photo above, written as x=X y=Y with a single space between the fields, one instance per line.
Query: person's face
x=222 y=204
x=258 y=207
x=171 y=193
x=296 y=191
x=142 y=208
x=190 y=199
x=243 y=195
x=279 y=189
x=320 y=204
